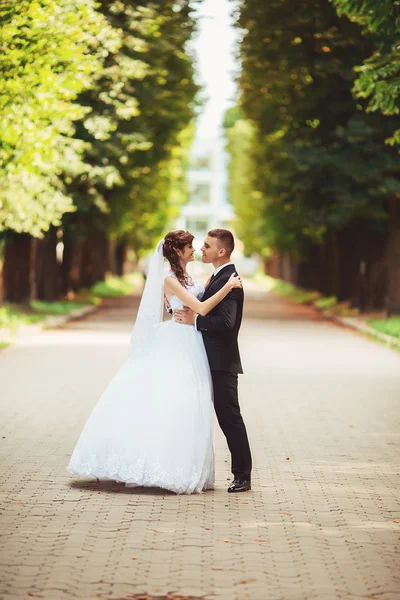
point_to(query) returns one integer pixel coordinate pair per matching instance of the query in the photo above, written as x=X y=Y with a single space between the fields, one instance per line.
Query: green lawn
x=117 y=286
x=55 y=308
x=301 y=296
x=285 y=289
x=13 y=316
x=326 y=303
x=389 y=326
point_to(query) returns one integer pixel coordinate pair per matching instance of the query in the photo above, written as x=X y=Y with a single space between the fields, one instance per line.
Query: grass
x=13 y=316
x=302 y=296
x=117 y=286
x=389 y=326
x=285 y=289
x=55 y=308
x=297 y=295
x=114 y=286
x=326 y=303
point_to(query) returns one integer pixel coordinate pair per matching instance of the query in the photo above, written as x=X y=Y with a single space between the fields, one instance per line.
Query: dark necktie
x=211 y=280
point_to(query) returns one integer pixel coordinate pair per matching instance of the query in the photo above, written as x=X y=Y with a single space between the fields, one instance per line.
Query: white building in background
x=208 y=206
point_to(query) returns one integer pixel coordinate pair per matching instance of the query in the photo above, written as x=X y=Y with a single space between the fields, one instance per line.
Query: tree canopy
x=319 y=160
x=309 y=160
x=97 y=96
x=97 y=111
x=50 y=53
x=379 y=74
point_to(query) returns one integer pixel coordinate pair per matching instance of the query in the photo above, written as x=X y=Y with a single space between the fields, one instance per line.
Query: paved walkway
x=322 y=406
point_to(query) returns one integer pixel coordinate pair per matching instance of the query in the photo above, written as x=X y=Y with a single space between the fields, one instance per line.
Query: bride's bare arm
x=173 y=287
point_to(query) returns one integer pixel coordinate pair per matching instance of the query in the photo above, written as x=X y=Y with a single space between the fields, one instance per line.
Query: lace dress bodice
x=197 y=289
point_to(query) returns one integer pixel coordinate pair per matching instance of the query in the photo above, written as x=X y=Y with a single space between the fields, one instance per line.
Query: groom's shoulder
x=228 y=270
x=236 y=293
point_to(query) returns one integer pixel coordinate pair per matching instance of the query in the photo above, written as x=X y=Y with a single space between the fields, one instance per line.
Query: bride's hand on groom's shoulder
x=234 y=281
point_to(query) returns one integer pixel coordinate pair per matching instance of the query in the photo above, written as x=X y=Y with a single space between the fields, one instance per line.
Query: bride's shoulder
x=170 y=274
x=199 y=287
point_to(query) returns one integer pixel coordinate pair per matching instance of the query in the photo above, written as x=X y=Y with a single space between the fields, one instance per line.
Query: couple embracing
x=153 y=425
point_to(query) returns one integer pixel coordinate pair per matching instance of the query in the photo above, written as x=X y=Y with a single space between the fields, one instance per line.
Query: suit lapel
x=209 y=283
x=231 y=269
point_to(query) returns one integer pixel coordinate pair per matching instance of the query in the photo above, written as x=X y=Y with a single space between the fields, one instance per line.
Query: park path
x=322 y=407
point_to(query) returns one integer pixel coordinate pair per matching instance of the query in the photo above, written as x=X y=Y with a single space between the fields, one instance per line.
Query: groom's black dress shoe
x=240 y=485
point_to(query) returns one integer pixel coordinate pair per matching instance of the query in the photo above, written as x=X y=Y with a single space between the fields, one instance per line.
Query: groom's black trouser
x=227 y=409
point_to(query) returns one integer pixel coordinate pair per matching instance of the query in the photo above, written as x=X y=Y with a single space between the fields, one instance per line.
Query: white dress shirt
x=218 y=269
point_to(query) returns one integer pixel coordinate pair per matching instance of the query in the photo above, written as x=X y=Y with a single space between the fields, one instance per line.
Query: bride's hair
x=174 y=241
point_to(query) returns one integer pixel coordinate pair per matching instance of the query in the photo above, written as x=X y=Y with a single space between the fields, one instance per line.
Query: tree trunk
x=347 y=258
x=70 y=268
x=47 y=270
x=325 y=258
x=94 y=258
x=18 y=271
x=393 y=258
x=112 y=256
x=311 y=270
x=284 y=268
x=335 y=269
x=120 y=257
x=1 y=271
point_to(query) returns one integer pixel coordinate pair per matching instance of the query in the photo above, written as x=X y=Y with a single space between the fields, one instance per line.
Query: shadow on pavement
x=114 y=487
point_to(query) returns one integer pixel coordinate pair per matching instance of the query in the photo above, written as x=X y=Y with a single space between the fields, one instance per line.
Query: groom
x=220 y=330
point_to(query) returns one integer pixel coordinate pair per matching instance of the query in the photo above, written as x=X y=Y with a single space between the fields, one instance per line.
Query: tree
x=139 y=109
x=99 y=96
x=322 y=171
x=379 y=82
x=247 y=201
x=379 y=74
x=50 y=53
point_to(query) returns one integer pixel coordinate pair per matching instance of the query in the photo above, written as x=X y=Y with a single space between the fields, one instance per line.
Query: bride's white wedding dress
x=153 y=425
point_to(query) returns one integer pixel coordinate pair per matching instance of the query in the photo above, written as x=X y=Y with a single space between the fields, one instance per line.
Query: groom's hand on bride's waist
x=186 y=316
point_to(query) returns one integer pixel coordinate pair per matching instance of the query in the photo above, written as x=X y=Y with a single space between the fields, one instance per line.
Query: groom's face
x=211 y=251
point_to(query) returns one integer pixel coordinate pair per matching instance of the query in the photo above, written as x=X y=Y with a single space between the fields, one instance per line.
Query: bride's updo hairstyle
x=174 y=241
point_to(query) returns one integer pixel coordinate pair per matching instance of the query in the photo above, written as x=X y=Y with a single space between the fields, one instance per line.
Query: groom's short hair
x=225 y=239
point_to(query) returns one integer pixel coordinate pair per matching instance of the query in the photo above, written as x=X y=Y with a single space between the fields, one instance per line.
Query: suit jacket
x=221 y=326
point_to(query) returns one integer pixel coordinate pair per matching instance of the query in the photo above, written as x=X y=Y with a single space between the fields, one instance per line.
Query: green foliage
x=96 y=108
x=113 y=286
x=286 y=289
x=326 y=303
x=317 y=161
x=389 y=326
x=297 y=295
x=50 y=52
x=379 y=74
x=13 y=316
x=55 y=308
x=138 y=125
x=247 y=201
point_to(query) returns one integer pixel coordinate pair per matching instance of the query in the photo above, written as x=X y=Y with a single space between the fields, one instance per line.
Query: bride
x=152 y=426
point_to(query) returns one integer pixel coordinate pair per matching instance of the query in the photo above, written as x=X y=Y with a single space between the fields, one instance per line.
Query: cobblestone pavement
x=322 y=407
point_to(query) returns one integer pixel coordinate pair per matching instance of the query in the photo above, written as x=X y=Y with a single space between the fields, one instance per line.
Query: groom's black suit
x=220 y=330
